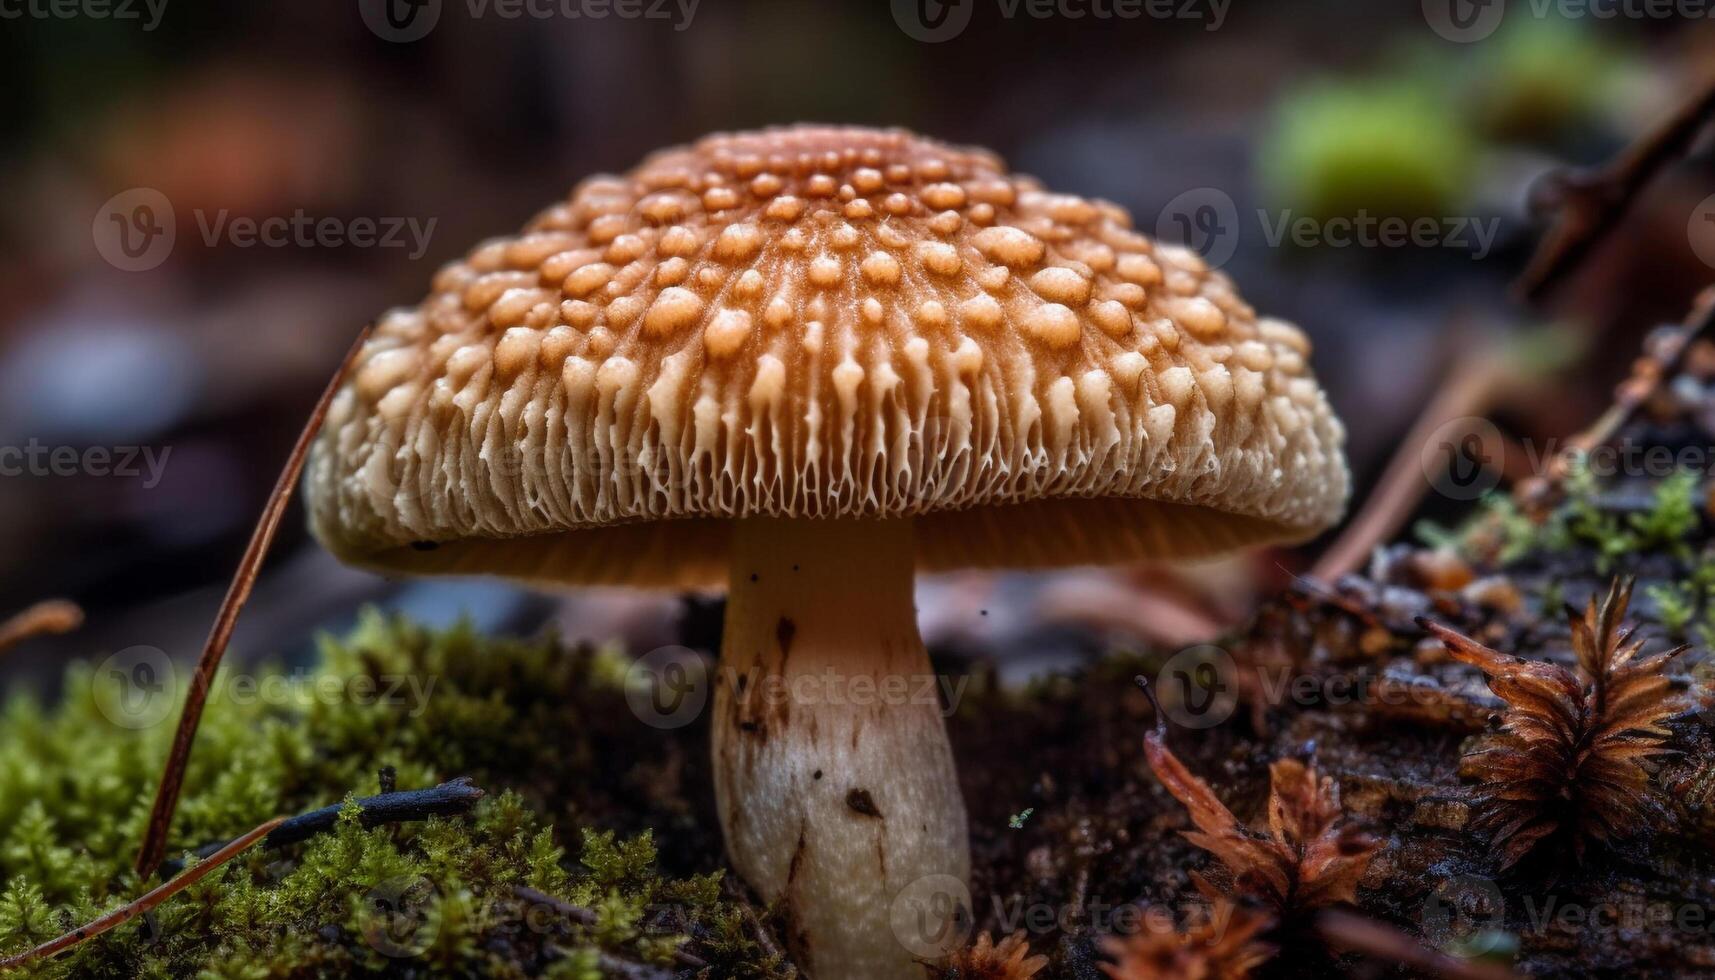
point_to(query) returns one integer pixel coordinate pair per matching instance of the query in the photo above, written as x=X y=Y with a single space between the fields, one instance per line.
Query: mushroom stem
x=833 y=774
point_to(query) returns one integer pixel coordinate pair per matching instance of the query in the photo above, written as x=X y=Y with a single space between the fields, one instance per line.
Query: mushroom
x=810 y=362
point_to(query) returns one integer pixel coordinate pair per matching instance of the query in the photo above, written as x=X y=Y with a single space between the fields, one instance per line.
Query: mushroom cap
x=823 y=322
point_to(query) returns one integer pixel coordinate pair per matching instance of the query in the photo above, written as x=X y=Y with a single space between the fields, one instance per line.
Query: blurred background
x=141 y=326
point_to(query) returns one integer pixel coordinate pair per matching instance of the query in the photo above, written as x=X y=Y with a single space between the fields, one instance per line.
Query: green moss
x=530 y=722
x=1387 y=149
x=1539 y=77
x=1672 y=518
x=1584 y=523
x=1675 y=605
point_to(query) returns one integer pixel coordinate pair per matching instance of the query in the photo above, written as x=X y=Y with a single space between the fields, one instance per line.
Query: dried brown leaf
x=1218 y=944
x=1572 y=744
x=985 y=959
x=1311 y=857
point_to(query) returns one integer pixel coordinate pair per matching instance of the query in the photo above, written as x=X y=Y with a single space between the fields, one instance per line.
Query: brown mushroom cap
x=822 y=322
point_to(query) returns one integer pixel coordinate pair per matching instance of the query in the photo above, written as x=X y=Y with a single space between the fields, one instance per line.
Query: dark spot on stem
x=797 y=858
x=816 y=775
x=861 y=802
x=424 y=545
x=784 y=631
x=753 y=576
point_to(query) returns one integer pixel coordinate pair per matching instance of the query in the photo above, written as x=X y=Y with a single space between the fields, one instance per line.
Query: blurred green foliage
x=1410 y=140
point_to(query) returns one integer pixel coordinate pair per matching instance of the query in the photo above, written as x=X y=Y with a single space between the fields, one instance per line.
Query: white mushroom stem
x=833 y=774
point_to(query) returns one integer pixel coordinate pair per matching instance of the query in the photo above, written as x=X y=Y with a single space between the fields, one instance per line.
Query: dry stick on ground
x=742 y=896
x=53 y=616
x=1141 y=609
x=154 y=846
x=1378 y=940
x=1472 y=382
x=455 y=796
x=1652 y=370
x=131 y=910
x=1589 y=203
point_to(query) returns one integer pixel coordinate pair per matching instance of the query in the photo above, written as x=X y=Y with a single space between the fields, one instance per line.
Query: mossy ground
x=576 y=786
x=1070 y=831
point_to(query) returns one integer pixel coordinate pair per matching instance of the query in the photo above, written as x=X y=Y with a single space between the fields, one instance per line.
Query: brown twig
x=454 y=796
x=154 y=845
x=561 y=907
x=1589 y=203
x=1652 y=371
x=50 y=617
x=1359 y=933
x=1152 y=613
x=131 y=910
x=1469 y=387
x=763 y=937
